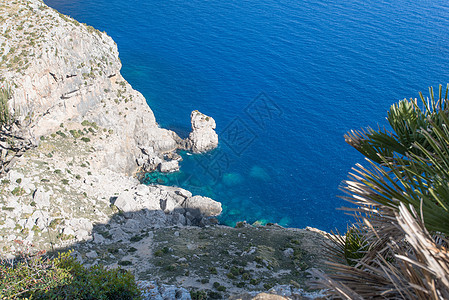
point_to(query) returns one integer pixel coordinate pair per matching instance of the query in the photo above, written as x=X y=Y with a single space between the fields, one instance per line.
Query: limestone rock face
x=203 y=136
x=69 y=71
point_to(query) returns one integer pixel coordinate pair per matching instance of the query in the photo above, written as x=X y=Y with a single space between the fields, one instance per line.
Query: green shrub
x=125 y=263
x=63 y=278
x=136 y=238
x=74 y=133
x=18 y=191
x=60 y=133
x=198 y=295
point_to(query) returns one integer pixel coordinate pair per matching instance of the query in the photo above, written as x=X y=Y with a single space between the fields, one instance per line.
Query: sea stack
x=203 y=136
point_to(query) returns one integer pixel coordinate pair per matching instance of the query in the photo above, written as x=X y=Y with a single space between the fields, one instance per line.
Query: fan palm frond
x=391 y=252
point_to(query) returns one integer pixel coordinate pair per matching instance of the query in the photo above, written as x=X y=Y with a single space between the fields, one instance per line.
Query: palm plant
x=408 y=166
x=407 y=172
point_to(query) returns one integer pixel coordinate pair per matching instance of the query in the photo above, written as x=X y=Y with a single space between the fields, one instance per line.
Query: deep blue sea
x=284 y=81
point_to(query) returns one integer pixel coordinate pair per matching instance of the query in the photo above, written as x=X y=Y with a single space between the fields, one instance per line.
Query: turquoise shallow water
x=284 y=81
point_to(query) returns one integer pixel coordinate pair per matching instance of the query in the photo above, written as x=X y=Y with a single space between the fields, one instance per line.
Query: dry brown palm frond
x=414 y=267
x=428 y=263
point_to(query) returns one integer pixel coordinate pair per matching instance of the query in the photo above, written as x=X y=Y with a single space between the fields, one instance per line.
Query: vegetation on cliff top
x=62 y=277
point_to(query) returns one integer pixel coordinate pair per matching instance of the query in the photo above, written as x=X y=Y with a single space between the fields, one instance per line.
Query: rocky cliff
x=92 y=132
x=62 y=71
x=87 y=120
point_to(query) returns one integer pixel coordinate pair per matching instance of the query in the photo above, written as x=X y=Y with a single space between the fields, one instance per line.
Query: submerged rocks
x=203 y=136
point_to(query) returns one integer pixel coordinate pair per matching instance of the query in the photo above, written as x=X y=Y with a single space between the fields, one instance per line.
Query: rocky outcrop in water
x=203 y=136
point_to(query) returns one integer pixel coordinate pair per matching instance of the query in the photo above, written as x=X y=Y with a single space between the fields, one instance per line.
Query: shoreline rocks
x=143 y=203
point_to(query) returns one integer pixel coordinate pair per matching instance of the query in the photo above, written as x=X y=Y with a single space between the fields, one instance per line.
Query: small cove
x=283 y=80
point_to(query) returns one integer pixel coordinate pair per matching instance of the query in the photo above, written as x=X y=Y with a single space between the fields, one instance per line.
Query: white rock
x=251 y=250
x=14 y=175
x=22 y=222
x=131 y=226
x=281 y=290
x=125 y=202
x=142 y=190
x=9 y=223
x=42 y=219
x=288 y=252
x=80 y=224
x=27 y=209
x=30 y=236
x=118 y=234
x=202 y=206
x=169 y=166
x=173 y=292
x=98 y=238
x=81 y=234
x=203 y=136
x=92 y=254
x=68 y=231
x=167 y=205
x=184 y=193
x=150 y=290
x=41 y=198
x=151 y=202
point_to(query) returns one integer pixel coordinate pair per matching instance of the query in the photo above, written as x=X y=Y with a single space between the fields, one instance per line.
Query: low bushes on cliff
x=63 y=278
x=393 y=252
